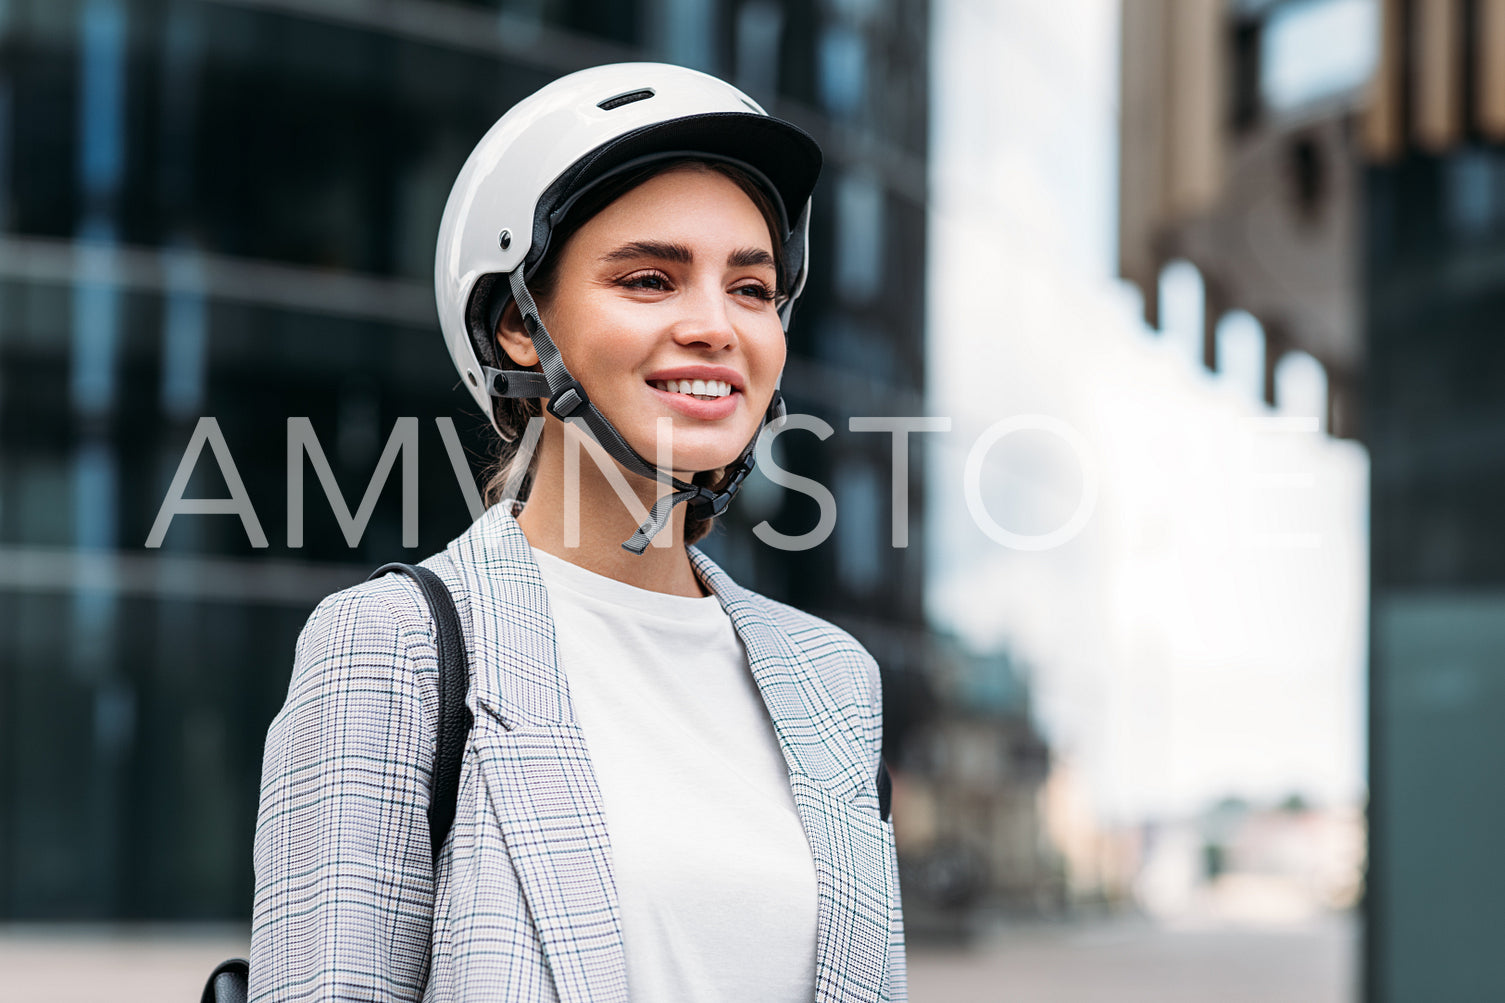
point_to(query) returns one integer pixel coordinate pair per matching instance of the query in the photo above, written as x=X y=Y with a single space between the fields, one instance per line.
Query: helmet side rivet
x=505 y=239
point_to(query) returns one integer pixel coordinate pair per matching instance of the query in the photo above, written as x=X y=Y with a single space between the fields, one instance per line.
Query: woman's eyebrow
x=661 y=249
x=664 y=250
x=749 y=257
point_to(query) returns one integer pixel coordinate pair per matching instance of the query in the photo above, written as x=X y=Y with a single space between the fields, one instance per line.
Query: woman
x=669 y=788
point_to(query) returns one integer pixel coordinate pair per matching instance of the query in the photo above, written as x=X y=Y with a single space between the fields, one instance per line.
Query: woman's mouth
x=699 y=389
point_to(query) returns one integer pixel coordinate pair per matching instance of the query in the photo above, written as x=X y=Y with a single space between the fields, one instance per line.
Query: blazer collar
x=515 y=667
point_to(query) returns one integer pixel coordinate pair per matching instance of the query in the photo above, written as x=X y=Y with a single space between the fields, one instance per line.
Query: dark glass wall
x=1435 y=389
x=224 y=210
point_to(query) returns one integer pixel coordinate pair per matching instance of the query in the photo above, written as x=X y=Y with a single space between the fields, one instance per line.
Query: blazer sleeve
x=344 y=877
x=898 y=972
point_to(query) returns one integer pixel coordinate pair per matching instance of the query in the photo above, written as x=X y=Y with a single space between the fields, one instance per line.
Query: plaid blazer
x=521 y=904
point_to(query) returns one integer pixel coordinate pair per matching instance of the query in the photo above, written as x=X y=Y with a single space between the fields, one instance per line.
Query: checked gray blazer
x=521 y=904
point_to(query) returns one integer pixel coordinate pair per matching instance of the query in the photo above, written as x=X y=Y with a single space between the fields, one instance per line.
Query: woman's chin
x=692 y=458
x=690 y=475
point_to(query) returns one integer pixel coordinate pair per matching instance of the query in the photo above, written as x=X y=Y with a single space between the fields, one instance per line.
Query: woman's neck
x=604 y=521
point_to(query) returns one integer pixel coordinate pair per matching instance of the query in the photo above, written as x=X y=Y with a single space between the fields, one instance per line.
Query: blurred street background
x=1121 y=960
x=1191 y=638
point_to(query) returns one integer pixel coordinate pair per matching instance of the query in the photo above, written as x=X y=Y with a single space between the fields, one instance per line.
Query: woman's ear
x=513 y=337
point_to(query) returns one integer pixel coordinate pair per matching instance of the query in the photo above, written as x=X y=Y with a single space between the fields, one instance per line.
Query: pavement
x=1135 y=961
x=48 y=963
x=1117 y=961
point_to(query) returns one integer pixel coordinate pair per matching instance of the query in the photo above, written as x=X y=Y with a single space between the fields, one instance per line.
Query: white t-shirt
x=715 y=879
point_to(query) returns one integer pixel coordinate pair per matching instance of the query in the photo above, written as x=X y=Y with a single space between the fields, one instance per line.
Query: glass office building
x=1435 y=293
x=226 y=210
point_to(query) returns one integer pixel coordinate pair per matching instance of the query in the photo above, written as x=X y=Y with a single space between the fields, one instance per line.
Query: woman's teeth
x=704 y=389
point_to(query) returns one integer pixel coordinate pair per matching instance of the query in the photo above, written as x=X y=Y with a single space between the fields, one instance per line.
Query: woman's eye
x=756 y=290
x=651 y=281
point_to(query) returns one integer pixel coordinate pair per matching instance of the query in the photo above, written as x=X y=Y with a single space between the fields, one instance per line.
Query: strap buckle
x=568 y=401
x=515 y=383
x=711 y=505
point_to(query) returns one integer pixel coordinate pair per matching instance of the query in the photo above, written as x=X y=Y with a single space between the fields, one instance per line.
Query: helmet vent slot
x=611 y=104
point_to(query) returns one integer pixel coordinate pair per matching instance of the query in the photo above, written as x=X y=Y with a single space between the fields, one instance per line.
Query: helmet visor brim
x=779 y=155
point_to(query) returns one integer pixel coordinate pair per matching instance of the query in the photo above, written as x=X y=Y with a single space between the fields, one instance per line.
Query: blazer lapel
x=537 y=769
x=827 y=763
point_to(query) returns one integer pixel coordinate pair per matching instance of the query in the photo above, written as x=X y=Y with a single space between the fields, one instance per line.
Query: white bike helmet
x=536 y=162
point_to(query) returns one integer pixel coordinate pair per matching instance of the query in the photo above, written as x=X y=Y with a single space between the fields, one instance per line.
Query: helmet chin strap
x=567 y=399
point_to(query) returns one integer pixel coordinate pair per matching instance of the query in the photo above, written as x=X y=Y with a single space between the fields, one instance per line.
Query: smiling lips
x=703 y=389
x=704 y=399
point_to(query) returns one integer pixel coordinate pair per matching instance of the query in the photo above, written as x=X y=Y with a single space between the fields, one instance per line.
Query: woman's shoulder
x=822 y=636
x=835 y=653
x=369 y=628
x=818 y=639
x=378 y=606
x=384 y=603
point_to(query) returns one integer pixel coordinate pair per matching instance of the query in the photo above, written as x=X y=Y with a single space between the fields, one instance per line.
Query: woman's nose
x=707 y=321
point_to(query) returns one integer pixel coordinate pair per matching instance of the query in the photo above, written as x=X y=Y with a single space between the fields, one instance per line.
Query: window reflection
x=859 y=537
x=843 y=71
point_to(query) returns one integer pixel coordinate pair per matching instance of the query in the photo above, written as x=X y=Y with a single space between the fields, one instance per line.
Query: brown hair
x=512 y=413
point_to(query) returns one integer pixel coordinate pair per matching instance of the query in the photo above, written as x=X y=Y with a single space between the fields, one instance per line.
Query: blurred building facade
x=969 y=802
x=227 y=208
x=1336 y=168
x=1251 y=178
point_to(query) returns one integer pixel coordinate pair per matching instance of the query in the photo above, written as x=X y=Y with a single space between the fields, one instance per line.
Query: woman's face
x=670 y=289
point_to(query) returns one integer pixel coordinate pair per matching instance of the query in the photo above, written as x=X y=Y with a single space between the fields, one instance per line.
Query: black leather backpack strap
x=454 y=716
